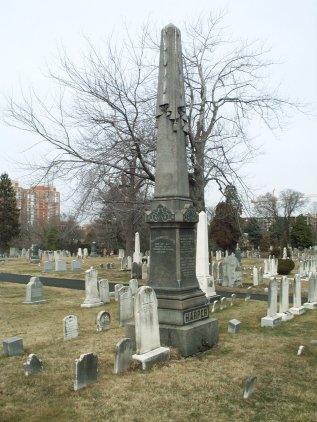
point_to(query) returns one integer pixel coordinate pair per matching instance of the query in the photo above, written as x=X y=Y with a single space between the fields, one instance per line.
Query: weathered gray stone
x=47 y=266
x=297 y=308
x=33 y=365
x=272 y=319
x=70 y=327
x=123 y=355
x=75 y=265
x=233 y=299
x=13 y=346
x=117 y=287
x=60 y=266
x=249 y=387
x=103 y=286
x=126 y=305
x=133 y=283
x=312 y=291
x=215 y=306
x=91 y=289
x=103 y=321
x=86 y=370
x=234 y=326
x=34 y=291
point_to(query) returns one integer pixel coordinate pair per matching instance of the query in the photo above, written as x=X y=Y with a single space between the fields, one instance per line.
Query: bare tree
x=290 y=202
x=102 y=127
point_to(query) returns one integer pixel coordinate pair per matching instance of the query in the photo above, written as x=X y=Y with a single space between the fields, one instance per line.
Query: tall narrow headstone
x=126 y=305
x=103 y=285
x=205 y=280
x=133 y=283
x=86 y=370
x=147 y=333
x=297 y=308
x=137 y=253
x=34 y=291
x=91 y=289
x=271 y=320
x=172 y=217
x=255 y=276
x=312 y=291
x=284 y=300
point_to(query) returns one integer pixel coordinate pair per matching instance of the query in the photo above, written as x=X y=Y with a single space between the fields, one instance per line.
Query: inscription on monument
x=187 y=254
x=162 y=245
x=195 y=314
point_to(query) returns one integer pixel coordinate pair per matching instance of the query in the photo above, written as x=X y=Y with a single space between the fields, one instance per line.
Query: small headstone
x=13 y=346
x=75 y=265
x=313 y=342
x=86 y=370
x=215 y=306
x=103 y=321
x=300 y=350
x=126 y=305
x=123 y=355
x=34 y=291
x=60 y=266
x=32 y=365
x=133 y=284
x=249 y=387
x=223 y=303
x=103 y=285
x=247 y=297
x=234 y=326
x=233 y=299
x=47 y=266
x=70 y=327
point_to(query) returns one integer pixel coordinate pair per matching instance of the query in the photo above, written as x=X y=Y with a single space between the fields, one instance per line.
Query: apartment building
x=38 y=204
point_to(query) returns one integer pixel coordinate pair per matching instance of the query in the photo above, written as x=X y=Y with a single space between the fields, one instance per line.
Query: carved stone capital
x=160 y=214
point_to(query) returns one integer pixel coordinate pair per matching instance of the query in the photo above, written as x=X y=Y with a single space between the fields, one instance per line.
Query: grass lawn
x=203 y=388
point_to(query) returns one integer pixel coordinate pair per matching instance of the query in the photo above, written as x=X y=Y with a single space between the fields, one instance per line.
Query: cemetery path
x=65 y=283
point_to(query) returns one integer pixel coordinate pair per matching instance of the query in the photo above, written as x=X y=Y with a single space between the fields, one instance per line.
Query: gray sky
x=31 y=32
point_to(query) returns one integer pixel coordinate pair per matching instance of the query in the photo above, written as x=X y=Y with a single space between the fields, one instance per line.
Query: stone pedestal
x=271 y=322
x=310 y=305
x=297 y=310
x=148 y=359
x=286 y=316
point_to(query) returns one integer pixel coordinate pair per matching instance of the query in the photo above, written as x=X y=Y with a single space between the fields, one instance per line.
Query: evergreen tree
x=9 y=213
x=302 y=234
x=254 y=232
x=52 y=239
x=224 y=229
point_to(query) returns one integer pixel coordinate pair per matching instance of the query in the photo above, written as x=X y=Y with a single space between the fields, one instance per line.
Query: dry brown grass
x=206 y=387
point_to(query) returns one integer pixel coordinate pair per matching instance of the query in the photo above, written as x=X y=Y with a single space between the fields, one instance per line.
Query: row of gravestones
x=273 y=317
x=145 y=348
x=227 y=273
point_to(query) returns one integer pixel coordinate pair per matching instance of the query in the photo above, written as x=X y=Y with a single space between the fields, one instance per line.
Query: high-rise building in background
x=39 y=205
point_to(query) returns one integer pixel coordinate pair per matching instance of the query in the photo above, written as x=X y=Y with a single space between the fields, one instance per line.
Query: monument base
x=148 y=359
x=36 y=302
x=297 y=311
x=271 y=322
x=286 y=316
x=310 y=305
x=191 y=339
x=91 y=304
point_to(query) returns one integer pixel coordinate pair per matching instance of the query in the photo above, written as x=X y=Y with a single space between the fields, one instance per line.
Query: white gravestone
x=137 y=254
x=271 y=320
x=33 y=365
x=103 y=321
x=205 y=280
x=215 y=306
x=91 y=289
x=249 y=387
x=75 y=265
x=70 y=327
x=147 y=334
x=144 y=271
x=129 y=263
x=79 y=253
x=123 y=355
x=312 y=291
x=117 y=287
x=233 y=299
x=133 y=284
x=121 y=253
x=284 y=312
x=223 y=303
x=103 y=285
x=255 y=276
x=86 y=370
x=60 y=266
x=34 y=291
x=47 y=266
x=126 y=305
x=297 y=308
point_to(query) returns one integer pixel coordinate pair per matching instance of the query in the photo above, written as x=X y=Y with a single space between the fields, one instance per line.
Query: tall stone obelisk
x=182 y=307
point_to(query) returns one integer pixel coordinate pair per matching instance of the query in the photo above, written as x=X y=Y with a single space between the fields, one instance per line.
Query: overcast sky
x=31 y=32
